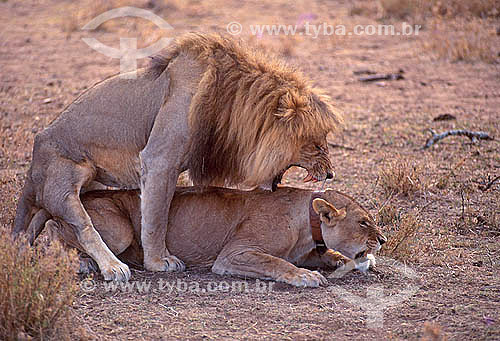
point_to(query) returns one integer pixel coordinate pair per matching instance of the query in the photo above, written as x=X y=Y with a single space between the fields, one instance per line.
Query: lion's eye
x=363 y=223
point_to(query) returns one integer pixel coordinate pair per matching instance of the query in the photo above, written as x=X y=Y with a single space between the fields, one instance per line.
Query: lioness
x=207 y=105
x=255 y=234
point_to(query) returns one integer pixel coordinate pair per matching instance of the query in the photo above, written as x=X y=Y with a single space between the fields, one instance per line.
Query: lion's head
x=347 y=228
x=252 y=117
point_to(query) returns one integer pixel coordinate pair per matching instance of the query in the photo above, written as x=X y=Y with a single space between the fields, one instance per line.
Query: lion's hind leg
x=64 y=233
x=63 y=182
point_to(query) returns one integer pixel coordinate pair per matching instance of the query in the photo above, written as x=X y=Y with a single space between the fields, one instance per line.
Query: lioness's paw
x=305 y=278
x=169 y=263
x=371 y=258
x=116 y=271
x=363 y=264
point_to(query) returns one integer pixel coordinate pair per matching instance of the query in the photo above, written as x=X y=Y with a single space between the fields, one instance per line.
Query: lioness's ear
x=327 y=212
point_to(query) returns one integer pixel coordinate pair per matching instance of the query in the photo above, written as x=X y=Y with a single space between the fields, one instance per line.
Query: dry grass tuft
x=76 y=16
x=401 y=177
x=388 y=215
x=401 y=238
x=37 y=288
x=463 y=40
x=433 y=332
x=364 y=8
x=460 y=30
x=402 y=9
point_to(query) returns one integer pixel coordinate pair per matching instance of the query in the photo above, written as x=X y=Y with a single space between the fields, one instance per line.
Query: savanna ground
x=444 y=223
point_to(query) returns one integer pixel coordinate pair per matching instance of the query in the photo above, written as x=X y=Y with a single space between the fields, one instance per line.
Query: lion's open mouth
x=361 y=254
x=310 y=177
x=313 y=178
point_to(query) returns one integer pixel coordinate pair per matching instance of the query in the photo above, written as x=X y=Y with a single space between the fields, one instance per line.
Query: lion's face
x=353 y=233
x=313 y=157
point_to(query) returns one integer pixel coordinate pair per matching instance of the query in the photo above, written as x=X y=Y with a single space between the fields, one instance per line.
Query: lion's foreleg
x=157 y=189
x=161 y=162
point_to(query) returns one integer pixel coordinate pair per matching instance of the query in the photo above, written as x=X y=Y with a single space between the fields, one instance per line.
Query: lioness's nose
x=329 y=175
x=381 y=239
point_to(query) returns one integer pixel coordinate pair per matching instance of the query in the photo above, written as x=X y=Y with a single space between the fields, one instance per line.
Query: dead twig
x=472 y=135
x=334 y=145
x=489 y=184
x=386 y=77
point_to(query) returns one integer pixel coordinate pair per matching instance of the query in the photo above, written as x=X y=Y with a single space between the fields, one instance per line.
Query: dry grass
x=403 y=9
x=401 y=238
x=463 y=40
x=79 y=16
x=37 y=288
x=401 y=176
x=387 y=215
x=473 y=219
x=460 y=30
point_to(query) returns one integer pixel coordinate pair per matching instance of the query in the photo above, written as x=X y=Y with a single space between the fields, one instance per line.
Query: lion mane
x=250 y=112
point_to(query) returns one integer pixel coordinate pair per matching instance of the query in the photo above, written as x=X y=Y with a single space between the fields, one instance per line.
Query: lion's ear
x=327 y=212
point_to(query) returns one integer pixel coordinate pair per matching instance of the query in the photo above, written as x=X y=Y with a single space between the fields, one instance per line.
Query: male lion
x=207 y=105
x=254 y=234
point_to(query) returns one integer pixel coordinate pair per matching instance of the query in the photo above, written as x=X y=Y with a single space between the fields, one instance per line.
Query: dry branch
x=334 y=145
x=386 y=77
x=489 y=184
x=472 y=135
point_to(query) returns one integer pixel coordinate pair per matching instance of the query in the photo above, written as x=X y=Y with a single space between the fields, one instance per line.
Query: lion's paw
x=174 y=264
x=305 y=278
x=168 y=263
x=116 y=271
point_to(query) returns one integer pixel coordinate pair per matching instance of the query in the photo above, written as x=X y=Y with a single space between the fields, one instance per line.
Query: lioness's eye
x=363 y=223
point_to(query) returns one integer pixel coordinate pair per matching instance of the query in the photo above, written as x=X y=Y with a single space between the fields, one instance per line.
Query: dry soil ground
x=455 y=254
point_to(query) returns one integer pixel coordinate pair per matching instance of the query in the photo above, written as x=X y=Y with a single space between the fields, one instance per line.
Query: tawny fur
x=246 y=233
x=239 y=86
x=207 y=105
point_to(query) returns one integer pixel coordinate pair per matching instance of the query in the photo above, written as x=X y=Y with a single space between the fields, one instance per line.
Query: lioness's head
x=347 y=228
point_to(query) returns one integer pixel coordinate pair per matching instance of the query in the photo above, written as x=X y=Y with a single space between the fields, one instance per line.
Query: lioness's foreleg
x=327 y=258
x=333 y=258
x=257 y=264
x=64 y=179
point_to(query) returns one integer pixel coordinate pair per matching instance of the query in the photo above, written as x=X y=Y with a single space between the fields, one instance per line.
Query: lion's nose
x=329 y=175
x=381 y=239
